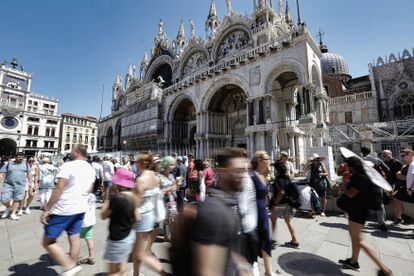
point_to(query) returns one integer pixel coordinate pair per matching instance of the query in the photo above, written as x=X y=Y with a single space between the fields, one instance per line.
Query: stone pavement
x=323 y=241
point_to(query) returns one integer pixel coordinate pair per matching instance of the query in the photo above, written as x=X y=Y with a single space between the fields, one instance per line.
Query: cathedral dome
x=333 y=64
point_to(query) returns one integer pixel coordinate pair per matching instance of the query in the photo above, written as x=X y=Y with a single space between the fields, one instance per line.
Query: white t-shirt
x=410 y=176
x=90 y=218
x=98 y=169
x=74 y=198
x=108 y=170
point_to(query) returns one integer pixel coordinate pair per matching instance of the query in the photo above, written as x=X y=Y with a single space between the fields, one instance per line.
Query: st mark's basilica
x=254 y=82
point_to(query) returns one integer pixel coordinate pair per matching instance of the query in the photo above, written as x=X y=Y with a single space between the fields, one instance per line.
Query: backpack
x=292 y=195
x=181 y=255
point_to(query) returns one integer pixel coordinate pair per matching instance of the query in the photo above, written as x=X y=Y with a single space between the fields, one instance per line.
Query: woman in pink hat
x=119 y=207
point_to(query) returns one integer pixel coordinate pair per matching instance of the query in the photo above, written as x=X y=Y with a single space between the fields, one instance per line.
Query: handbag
x=160 y=212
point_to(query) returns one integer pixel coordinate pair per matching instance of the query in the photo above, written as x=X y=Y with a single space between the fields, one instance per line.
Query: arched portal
x=163 y=73
x=184 y=126
x=8 y=147
x=108 y=137
x=225 y=119
x=118 y=131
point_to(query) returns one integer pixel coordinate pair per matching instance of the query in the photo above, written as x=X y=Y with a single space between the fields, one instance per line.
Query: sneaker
x=292 y=244
x=344 y=261
x=383 y=228
x=27 y=210
x=5 y=214
x=20 y=212
x=14 y=217
x=382 y=273
x=348 y=264
x=71 y=272
x=323 y=214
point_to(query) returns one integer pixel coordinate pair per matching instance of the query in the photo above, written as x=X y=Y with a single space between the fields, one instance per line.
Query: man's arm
x=2 y=175
x=30 y=178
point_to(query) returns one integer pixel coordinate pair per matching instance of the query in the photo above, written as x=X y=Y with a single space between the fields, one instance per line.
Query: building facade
x=376 y=110
x=254 y=82
x=30 y=122
x=76 y=129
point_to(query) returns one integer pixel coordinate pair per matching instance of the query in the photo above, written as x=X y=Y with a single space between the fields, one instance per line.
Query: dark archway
x=165 y=72
x=109 y=136
x=184 y=127
x=118 y=132
x=8 y=147
x=227 y=117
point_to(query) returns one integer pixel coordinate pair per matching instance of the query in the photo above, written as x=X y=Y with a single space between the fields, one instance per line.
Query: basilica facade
x=255 y=82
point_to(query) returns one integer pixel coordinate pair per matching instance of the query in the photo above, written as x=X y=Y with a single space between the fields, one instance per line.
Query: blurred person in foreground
x=217 y=229
x=358 y=197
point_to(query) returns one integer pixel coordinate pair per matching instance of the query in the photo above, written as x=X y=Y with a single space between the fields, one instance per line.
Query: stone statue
x=262 y=4
x=192 y=29
x=229 y=8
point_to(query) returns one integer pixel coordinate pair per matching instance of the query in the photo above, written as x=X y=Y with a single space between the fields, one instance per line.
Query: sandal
x=292 y=244
x=89 y=261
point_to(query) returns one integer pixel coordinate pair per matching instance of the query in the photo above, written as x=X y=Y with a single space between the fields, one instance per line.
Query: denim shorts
x=146 y=223
x=57 y=224
x=117 y=252
x=12 y=192
x=107 y=184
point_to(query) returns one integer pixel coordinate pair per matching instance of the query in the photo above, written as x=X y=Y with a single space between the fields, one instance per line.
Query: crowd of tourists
x=219 y=215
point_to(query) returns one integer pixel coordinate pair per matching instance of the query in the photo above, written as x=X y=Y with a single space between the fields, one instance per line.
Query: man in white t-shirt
x=108 y=171
x=99 y=177
x=66 y=209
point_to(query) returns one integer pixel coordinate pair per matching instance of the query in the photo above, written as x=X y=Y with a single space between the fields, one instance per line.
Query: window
x=67 y=137
x=67 y=147
x=68 y=128
x=47 y=132
x=45 y=106
x=75 y=138
x=52 y=107
x=33 y=119
x=404 y=106
x=52 y=132
x=46 y=144
x=30 y=130
x=75 y=129
x=35 y=103
x=36 y=130
x=51 y=144
x=52 y=122
x=28 y=143
x=86 y=140
x=93 y=131
x=348 y=117
x=34 y=143
x=80 y=139
x=30 y=101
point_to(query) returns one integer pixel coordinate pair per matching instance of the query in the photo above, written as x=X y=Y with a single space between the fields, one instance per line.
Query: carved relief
x=255 y=76
x=232 y=43
x=194 y=62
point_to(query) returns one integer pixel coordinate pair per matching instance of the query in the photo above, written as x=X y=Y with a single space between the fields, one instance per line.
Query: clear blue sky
x=73 y=47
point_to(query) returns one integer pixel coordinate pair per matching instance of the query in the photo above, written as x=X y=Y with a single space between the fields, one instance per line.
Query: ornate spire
x=118 y=80
x=212 y=21
x=131 y=70
x=322 y=46
x=213 y=11
x=181 y=31
x=288 y=15
x=161 y=37
x=145 y=60
x=229 y=8
x=280 y=8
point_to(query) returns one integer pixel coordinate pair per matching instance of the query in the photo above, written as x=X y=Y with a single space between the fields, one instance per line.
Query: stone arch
x=8 y=147
x=190 y=51
x=282 y=66
x=109 y=134
x=174 y=104
x=226 y=33
x=315 y=76
x=160 y=63
x=218 y=83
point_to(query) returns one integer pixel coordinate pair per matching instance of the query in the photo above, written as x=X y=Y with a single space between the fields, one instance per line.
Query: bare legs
x=30 y=196
x=355 y=230
x=90 y=244
x=398 y=208
x=267 y=263
x=289 y=223
x=57 y=253
x=324 y=202
x=13 y=206
x=117 y=269
x=142 y=256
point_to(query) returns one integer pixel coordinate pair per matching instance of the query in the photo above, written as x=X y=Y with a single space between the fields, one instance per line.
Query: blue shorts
x=12 y=192
x=57 y=224
x=107 y=184
x=146 y=223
